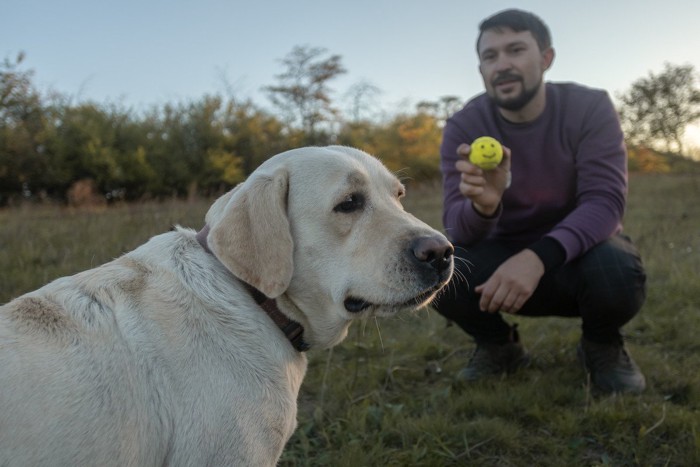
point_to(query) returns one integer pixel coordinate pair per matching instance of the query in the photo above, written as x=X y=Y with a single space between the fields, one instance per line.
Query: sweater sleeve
x=601 y=166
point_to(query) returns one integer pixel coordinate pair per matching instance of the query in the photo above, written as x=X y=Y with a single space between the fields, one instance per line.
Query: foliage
x=386 y=396
x=51 y=147
x=643 y=159
x=647 y=160
x=24 y=129
x=659 y=107
x=407 y=143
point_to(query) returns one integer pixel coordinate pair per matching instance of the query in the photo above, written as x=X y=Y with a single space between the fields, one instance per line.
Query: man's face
x=512 y=66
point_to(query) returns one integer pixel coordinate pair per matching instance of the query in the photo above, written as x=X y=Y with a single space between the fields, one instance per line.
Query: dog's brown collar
x=293 y=330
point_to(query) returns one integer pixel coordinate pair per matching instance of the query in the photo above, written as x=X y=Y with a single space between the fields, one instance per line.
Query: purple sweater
x=569 y=169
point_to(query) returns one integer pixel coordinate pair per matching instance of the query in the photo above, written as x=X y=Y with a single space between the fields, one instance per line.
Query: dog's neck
x=293 y=330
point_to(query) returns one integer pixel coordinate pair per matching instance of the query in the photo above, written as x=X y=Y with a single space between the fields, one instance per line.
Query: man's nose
x=502 y=63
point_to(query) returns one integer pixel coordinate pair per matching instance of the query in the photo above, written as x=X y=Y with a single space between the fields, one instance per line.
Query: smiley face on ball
x=486 y=153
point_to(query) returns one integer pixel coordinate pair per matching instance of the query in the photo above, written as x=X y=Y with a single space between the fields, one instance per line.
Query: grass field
x=386 y=397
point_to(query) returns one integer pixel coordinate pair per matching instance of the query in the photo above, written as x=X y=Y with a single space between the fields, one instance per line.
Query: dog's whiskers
x=379 y=331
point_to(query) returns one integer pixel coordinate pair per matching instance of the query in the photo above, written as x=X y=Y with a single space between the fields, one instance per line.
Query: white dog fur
x=163 y=357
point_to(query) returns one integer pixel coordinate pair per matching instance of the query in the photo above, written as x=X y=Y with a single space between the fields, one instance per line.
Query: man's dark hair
x=518 y=21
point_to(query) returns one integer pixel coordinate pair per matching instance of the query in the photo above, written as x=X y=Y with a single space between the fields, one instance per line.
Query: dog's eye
x=350 y=204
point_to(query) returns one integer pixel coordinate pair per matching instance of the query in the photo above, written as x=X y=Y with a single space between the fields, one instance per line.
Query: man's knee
x=473 y=266
x=614 y=278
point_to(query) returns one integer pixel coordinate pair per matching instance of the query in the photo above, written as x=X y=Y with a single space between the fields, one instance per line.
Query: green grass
x=386 y=396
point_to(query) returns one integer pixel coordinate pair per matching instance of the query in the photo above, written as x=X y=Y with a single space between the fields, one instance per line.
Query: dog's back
x=72 y=388
x=142 y=362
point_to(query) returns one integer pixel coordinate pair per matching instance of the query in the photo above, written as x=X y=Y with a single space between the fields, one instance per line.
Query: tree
x=103 y=144
x=24 y=129
x=303 y=93
x=659 y=108
x=187 y=147
x=442 y=109
x=361 y=96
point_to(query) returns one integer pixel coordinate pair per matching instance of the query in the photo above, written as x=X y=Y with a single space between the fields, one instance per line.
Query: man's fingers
x=490 y=300
x=513 y=302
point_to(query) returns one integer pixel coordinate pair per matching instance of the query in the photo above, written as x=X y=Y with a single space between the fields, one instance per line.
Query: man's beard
x=518 y=102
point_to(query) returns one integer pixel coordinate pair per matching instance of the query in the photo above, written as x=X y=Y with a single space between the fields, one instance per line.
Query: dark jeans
x=605 y=287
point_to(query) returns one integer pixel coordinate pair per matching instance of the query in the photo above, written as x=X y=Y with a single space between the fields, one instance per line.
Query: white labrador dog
x=176 y=354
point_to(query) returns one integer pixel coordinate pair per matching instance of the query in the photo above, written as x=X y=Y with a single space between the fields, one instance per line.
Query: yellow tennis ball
x=486 y=153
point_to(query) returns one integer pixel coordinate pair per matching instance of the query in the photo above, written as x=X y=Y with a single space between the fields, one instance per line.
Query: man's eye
x=351 y=203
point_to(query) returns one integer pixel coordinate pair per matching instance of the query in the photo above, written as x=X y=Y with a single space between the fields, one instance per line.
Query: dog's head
x=323 y=231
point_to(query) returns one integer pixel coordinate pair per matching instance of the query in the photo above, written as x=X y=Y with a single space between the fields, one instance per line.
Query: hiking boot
x=495 y=359
x=611 y=367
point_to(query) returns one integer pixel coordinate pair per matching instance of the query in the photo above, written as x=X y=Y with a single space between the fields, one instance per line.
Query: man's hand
x=483 y=187
x=512 y=283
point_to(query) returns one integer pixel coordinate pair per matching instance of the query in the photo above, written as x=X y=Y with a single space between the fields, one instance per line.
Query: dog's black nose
x=434 y=250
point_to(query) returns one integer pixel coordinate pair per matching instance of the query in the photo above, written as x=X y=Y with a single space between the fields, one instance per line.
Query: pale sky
x=143 y=52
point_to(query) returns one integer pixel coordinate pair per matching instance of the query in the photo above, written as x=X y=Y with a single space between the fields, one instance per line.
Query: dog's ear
x=251 y=236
